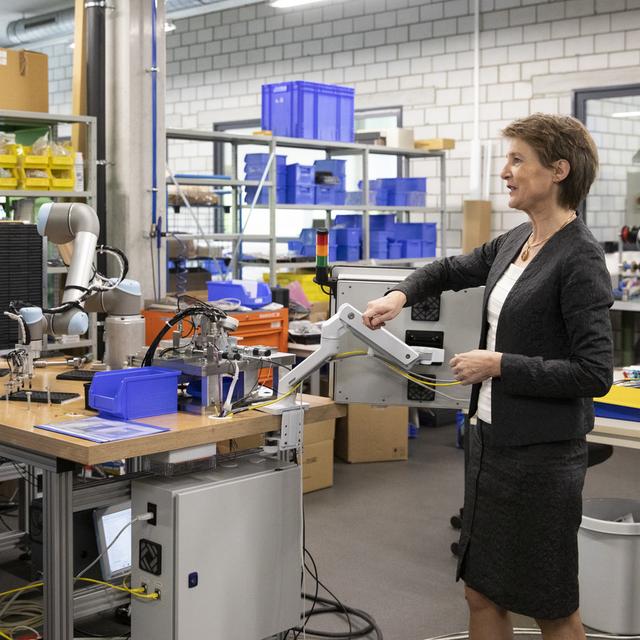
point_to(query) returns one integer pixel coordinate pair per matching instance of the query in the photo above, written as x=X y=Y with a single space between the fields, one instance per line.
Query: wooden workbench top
x=17 y=425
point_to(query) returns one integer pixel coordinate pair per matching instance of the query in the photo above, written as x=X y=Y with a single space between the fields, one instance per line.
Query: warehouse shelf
x=22 y=193
x=331 y=149
x=216 y=182
x=285 y=262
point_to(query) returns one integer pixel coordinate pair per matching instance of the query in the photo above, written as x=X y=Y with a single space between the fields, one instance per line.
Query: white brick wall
x=417 y=53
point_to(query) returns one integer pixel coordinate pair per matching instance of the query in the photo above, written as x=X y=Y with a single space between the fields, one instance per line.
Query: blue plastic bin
x=406 y=199
x=347 y=254
x=382 y=222
x=263 y=198
x=411 y=248
x=404 y=184
x=129 y=394
x=349 y=220
x=330 y=195
x=348 y=236
x=335 y=167
x=428 y=249
x=301 y=194
x=312 y=110
x=301 y=174
x=261 y=159
x=379 y=237
x=239 y=290
x=415 y=231
x=395 y=250
x=308 y=236
x=379 y=250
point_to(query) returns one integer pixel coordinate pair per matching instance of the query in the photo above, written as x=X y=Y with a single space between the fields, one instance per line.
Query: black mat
x=57 y=397
x=85 y=375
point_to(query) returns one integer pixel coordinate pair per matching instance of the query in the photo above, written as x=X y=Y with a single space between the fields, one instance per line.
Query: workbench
x=56 y=455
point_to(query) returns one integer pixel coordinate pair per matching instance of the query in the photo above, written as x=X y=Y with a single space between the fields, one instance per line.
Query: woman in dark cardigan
x=545 y=351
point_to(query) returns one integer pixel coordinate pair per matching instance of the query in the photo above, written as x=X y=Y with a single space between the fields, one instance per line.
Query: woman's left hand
x=475 y=366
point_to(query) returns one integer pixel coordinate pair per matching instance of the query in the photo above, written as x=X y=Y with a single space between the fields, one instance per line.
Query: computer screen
x=109 y=522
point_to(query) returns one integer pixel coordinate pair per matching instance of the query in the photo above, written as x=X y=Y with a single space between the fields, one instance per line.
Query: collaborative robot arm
x=381 y=343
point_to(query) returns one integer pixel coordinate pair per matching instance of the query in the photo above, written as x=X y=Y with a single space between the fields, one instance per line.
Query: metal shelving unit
x=19 y=119
x=332 y=150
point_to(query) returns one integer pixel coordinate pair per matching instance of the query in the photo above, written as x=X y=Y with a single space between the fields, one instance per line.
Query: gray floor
x=381 y=535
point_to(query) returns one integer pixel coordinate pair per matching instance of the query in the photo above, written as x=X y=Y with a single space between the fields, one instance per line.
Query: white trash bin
x=609 y=552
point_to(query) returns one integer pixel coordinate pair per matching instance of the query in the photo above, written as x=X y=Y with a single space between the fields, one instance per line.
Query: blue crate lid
x=250 y=293
x=262 y=158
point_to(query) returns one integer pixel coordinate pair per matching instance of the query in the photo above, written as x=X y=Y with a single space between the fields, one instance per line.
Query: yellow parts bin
x=312 y=290
x=33 y=170
x=622 y=402
x=9 y=170
x=62 y=170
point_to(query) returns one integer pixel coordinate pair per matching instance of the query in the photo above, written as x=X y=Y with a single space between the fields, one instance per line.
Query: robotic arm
x=74 y=228
x=380 y=342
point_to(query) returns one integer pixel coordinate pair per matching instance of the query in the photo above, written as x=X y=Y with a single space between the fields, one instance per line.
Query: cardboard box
x=317 y=456
x=25 y=78
x=476 y=224
x=319 y=311
x=399 y=138
x=241 y=444
x=317 y=466
x=435 y=144
x=372 y=434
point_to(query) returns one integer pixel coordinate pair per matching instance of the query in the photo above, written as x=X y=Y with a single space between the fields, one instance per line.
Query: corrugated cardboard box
x=372 y=434
x=476 y=224
x=24 y=76
x=240 y=444
x=317 y=457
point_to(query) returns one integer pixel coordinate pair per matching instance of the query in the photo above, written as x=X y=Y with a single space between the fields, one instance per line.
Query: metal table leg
x=58 y=554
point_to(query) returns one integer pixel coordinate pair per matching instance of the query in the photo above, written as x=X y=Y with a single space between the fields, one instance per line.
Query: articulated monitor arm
x=380 y=342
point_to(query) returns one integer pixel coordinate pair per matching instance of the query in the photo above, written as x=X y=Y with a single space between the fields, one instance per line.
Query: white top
x=494 y=307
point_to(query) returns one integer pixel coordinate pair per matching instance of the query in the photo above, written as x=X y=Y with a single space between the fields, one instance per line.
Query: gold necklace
x=524 y=256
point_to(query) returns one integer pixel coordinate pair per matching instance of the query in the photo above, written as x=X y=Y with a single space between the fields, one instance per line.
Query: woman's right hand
x=381 y=310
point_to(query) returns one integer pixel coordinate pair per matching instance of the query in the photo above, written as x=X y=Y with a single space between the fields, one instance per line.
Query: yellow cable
x=138 y=591
x=408 y=376
x=347 y=354
x=34 y=585
x=4 y=635
x=286 y=395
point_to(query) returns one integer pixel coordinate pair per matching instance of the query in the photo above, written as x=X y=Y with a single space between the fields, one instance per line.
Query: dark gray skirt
x=522 y=510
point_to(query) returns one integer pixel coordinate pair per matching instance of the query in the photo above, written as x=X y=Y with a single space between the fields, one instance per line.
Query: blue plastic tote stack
x=254 y=166
x=301 y=184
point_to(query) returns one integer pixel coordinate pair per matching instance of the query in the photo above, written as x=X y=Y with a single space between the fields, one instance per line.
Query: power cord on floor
x=522 y=631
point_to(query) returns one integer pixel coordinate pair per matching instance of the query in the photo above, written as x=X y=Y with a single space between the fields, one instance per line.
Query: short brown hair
x=555 y=138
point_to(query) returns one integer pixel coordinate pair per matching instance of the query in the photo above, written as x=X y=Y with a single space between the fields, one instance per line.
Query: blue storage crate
x=406 y=199
x=330 y=195
x=308 y=236
x=379 y=237
x=301 y=194
x=250 y=294
x=382 y=222
x=395 y=250
x=347 y=254
x=404 y=184
x=308 y=251
x=129 y=394
x=428 y=249
x=348 y=236
x=379 y=250
x=312 y=110
x=349 y=220
x=411 y=248
x=295 y=246
x=301 y=174
x=334 y=167
x=261 y=159
x=263 y=198
x=415 y=231
x=333 y=252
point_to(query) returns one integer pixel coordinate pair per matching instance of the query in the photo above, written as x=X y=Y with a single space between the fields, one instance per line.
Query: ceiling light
x=626 y=114
x=169 y=25
x=285 y=4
